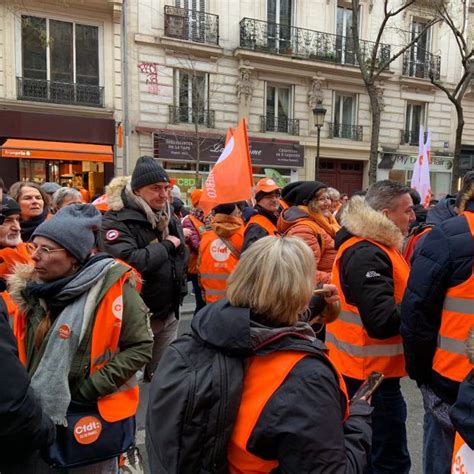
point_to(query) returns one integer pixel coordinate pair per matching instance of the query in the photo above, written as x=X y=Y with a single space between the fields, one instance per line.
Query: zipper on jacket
x=221 y=418
x=190 y=408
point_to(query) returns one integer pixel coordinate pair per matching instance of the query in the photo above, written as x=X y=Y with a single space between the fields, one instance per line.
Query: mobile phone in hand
x=322 y=292
x=368 y=387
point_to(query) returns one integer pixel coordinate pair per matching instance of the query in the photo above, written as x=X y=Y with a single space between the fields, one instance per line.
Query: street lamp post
x=319 y=112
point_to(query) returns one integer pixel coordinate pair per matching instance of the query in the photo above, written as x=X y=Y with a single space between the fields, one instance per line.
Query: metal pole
x=317 y=155
x=125 y=89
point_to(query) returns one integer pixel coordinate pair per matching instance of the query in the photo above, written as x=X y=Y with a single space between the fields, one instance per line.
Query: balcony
x=421 y=64
x=350 y=132
x=189 y=115
x=279 y=125
x=302 y=43
x=41 y=90
x=191 y=25
x=411 y=137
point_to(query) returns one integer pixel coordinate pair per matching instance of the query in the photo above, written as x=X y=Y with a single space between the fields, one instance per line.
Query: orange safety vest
x=105 y=345
x=411 y=242
x=264 y=376
x=457 y=318
x=10 y=256
x=217 y=262
x=463 y=457
x=193 y=256
x=354 y=353
x=263 y=222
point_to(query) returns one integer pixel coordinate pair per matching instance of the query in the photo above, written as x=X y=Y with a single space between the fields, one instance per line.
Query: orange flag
x=229 y=135
x=231 y=178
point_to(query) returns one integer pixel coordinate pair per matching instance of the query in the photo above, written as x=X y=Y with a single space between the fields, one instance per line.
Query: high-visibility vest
x=105 y=345
x=10 y=256
x=412 y=240
x=457 y=318
x=217 y=262
x=354 y=353
x=463 y=457
x=264 y=223
x=265 y=374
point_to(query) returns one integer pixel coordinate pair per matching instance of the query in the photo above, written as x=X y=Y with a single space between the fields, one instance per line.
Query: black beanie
x=148 y=171
x=9 y=207
x=301 y=192
x=227 y=208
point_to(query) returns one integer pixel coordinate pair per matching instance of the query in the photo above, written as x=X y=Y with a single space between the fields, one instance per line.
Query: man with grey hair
x=371 y=276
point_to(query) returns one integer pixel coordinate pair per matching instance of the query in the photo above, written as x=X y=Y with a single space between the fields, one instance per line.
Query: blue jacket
x=445 y=260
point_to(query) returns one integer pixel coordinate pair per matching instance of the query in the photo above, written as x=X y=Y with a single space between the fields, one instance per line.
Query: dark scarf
x=272 y=217
x=49 y=290
x=29 y=226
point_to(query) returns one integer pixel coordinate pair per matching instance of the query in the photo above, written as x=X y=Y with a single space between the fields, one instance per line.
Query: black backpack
x=194 y=401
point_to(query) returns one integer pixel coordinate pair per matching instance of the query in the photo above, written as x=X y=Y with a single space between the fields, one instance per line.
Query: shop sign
x=407 y=162
x=169 y=146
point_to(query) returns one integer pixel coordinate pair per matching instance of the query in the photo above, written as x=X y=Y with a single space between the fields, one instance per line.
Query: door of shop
x=344 y=175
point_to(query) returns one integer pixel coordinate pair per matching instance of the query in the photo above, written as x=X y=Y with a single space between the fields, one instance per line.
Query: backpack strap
x=232 y=249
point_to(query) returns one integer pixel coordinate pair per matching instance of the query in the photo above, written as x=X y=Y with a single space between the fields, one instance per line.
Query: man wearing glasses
x=141 y=230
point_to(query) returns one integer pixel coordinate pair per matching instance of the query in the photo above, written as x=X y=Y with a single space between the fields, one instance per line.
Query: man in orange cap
x=267 y=209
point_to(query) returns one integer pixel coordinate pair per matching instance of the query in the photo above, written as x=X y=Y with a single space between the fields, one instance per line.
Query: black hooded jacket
x=126 y=234
x=301 y=425
x=23 y=426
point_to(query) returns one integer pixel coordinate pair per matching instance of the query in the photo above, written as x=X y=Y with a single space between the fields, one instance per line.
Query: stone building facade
x=271 y=61
x=60 y=91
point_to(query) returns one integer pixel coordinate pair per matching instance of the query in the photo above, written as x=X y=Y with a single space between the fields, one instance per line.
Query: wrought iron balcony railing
x=279 y=124
x=306 y=44
x=40 y=90
x=341 y=130
x=420 y=63
x=191 y=25
x=411 y=137
x=207 y=118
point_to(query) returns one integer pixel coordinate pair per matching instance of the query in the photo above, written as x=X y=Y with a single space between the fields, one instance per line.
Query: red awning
x=66 y=151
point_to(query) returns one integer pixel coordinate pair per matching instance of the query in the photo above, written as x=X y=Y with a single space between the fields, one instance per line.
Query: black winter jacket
x=445 y=260
x=23 y=426
x=126 y=234
x=366 y=270
x=301 y=425
x=255 y=232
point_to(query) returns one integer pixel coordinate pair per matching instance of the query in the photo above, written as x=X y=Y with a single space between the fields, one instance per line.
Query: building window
x=418 y=58
x=278 y=112
x=59 y=62
x=344 y=37
x=279 y=13
x=344 y=118
x=415 y=117
x=191 y=99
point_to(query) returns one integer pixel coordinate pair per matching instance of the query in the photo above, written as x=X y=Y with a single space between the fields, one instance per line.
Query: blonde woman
x=293 y=412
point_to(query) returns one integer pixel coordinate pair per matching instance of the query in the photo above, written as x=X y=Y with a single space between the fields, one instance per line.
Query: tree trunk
x=374 y=140
x=457 y=149
x=198 y=153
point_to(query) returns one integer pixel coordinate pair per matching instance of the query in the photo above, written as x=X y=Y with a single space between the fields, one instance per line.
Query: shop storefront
x=181 y=155
x=70 y=151
x=399 y=167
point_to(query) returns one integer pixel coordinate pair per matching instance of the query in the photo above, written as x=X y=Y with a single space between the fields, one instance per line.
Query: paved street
x=412 y=395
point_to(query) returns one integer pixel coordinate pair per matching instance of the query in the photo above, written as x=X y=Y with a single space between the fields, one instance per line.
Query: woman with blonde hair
x=293 y=413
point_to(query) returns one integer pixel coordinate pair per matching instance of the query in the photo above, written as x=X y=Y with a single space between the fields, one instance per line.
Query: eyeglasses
x=40 y=250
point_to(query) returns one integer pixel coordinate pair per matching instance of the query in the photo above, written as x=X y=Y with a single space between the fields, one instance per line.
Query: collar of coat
x=363 y=221
x=114 y=192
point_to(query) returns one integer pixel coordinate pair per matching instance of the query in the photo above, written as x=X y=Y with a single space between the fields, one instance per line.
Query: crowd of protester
x=300 y=296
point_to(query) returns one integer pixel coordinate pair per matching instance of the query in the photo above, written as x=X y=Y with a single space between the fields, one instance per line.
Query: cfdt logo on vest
x=219 y=251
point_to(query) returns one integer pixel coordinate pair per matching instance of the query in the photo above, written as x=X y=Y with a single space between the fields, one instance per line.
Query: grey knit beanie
x=73 y=228
x=148 y=171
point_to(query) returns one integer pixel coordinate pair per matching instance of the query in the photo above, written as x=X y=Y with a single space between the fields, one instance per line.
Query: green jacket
x=135 y=344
